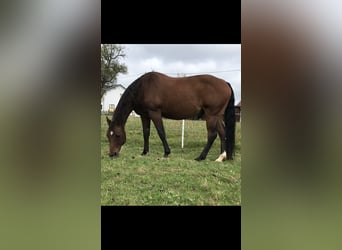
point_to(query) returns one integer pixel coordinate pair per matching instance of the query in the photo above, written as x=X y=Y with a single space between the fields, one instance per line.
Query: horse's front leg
x=158 y=123
x=146 y=125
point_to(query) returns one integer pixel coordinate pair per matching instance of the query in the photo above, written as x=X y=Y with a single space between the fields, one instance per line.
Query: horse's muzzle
x=114 y=154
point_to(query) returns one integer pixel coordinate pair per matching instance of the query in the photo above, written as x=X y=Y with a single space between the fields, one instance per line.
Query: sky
x=220 y=60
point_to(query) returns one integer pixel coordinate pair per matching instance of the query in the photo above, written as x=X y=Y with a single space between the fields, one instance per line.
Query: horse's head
x=117 y=137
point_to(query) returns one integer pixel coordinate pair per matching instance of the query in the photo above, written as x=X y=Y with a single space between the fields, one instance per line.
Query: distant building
x=111 y=97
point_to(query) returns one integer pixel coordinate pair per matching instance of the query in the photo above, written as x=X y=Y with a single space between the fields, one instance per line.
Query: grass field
x=132 y=179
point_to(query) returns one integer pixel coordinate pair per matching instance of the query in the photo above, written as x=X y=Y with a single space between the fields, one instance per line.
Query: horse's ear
x=108 y=121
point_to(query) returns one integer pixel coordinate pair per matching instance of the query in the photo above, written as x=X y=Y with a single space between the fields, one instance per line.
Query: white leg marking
x=222 y=157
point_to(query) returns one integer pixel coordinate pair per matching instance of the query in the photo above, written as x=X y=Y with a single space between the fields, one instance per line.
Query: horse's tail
x=229 y=121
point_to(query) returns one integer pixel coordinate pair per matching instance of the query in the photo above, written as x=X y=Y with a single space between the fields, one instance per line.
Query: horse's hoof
x=199 y=158
x=144 y=153
x=222 y=157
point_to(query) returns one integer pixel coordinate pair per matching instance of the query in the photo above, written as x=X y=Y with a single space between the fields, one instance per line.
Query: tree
x=110 y=65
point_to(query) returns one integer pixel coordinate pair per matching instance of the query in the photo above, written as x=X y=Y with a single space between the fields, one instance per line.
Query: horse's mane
x=126 y=103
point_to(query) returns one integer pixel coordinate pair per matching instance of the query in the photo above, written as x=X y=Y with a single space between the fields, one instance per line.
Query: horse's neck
x=124 y=108
x=121 y=115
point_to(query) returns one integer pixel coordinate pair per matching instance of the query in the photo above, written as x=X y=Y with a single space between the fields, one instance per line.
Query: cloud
x=221 y=60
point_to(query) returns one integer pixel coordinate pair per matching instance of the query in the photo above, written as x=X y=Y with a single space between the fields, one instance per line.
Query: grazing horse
x=155 y=95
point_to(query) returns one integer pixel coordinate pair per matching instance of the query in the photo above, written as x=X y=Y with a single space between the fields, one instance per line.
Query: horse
x=155 y=95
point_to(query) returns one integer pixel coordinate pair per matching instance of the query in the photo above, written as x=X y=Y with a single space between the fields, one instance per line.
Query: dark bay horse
x=155 y=95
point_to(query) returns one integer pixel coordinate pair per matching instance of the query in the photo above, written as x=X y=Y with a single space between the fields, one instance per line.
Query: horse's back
x=184 y=96
x=199 y=85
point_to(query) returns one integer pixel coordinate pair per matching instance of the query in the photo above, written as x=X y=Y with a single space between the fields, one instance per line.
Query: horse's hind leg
x=222 y=135
x=212 y=134
x=158 y=123
x=221 y=157
x=221 y=132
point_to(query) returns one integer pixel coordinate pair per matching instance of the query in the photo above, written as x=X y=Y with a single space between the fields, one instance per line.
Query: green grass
x=132 y=179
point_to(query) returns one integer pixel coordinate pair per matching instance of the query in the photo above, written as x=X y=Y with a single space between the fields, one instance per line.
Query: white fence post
x=183 y=133
x=179 y=75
